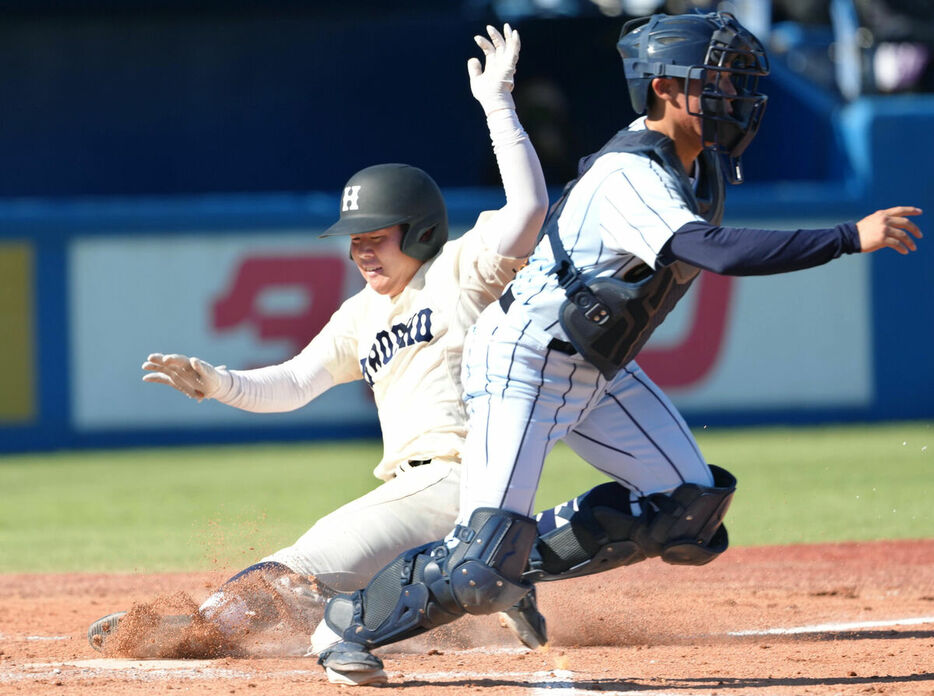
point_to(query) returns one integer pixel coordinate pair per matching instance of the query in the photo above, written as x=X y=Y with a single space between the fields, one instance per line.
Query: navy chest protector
x=608 y=320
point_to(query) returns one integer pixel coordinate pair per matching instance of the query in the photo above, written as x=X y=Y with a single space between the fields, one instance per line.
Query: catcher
x=553 y=360
x=404 y=335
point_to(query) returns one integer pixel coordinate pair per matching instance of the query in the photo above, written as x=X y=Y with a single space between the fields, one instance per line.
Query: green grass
x=199 y=508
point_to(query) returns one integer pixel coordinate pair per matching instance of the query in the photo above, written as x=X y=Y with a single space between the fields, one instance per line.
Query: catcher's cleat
x=102 y=628
x=322 y=639
x=352 y=664
x=526 y=622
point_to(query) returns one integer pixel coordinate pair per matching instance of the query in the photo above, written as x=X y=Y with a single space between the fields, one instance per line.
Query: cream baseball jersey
x=408 y=348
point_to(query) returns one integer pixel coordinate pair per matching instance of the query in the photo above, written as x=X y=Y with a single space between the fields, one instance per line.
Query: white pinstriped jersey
x=409 y=347
x=636 y=206
x=524 y=394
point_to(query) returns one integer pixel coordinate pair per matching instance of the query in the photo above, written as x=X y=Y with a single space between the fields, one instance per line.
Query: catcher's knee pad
x=600 y=531
x=432 y=585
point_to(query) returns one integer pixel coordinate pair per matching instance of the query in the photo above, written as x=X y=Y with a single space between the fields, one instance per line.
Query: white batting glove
x=193 y=377
x=492 y=85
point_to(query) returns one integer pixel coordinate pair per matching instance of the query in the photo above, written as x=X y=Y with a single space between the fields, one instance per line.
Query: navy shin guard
x=433 y=585
x=598 y=530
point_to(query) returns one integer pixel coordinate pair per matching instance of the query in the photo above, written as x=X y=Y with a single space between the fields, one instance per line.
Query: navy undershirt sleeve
x=741 y=251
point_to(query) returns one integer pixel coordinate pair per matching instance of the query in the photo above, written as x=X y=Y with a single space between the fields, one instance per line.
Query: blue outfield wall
x=890 y=142
x=885 y=143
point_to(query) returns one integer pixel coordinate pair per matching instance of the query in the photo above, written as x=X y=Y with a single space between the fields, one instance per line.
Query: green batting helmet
x=395 y=194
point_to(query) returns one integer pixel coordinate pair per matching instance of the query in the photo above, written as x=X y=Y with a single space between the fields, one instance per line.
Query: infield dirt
x=864 y=613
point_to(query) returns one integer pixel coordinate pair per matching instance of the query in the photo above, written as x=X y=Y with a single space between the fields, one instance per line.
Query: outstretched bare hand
x=889 y=228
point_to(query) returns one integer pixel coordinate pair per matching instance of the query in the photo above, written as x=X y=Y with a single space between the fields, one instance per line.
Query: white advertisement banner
x=800 y=340
x=241 y=300
x=791 y=341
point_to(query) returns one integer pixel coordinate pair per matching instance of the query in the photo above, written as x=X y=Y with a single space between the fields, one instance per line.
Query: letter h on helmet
x=701 y=47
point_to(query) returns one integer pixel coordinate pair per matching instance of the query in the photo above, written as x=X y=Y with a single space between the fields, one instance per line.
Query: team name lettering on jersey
x=351 y=194
x=416 y=330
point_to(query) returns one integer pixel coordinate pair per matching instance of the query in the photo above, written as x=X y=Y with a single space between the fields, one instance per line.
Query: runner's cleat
x=102 y=628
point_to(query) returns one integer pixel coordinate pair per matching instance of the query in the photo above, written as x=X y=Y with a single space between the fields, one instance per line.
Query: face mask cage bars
x=739 y=107
x=731 y=121
x=730 y=116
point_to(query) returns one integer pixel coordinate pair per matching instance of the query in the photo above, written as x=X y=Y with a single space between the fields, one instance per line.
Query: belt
x=506 y=300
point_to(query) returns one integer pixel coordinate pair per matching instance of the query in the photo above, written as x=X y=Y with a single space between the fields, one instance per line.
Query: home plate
x=116 y=663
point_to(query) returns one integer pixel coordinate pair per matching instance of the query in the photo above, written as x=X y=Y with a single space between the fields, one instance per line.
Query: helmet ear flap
x=427 y=235
x=424 y=240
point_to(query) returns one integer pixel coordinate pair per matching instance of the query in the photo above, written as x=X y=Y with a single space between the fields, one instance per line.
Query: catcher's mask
x=701 y=47
x=395 y=194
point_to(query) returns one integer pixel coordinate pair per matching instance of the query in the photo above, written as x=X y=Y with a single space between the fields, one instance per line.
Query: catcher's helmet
x=701 y=47
x=395 y=194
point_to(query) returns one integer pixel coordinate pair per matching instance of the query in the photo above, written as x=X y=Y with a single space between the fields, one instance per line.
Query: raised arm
x=519 y=221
